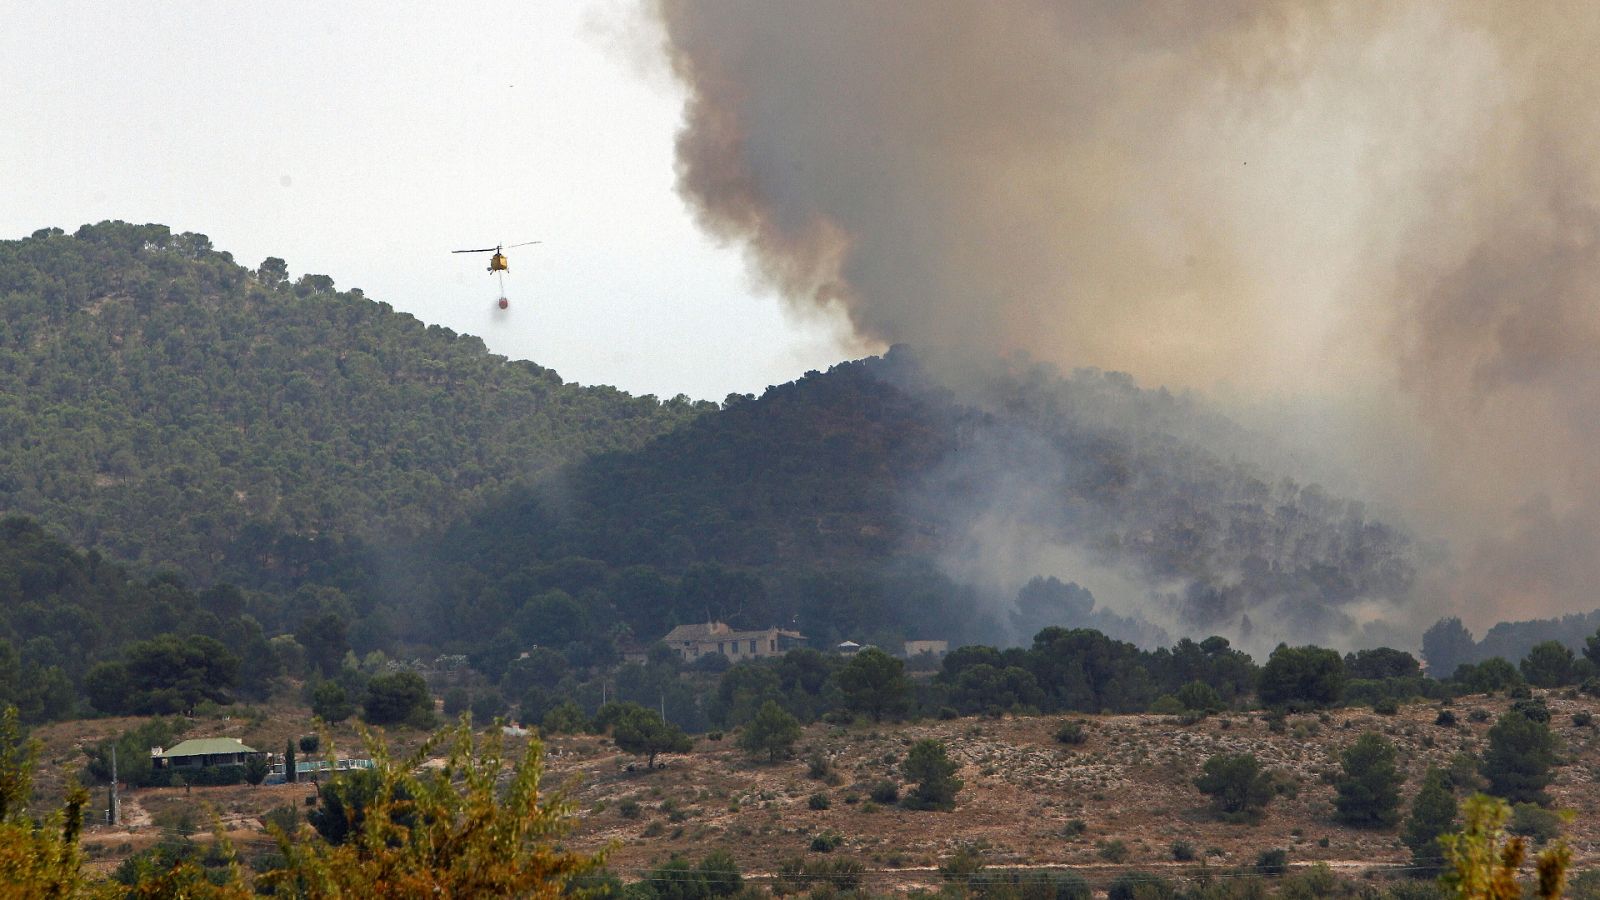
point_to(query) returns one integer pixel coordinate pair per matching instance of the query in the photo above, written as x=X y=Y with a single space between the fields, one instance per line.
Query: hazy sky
x=365 y=141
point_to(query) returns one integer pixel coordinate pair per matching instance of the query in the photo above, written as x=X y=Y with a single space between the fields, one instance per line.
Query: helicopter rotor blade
x=524 y=244
x=484 y=250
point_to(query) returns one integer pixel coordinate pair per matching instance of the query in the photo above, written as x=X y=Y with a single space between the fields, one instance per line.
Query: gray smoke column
x=1387 y=211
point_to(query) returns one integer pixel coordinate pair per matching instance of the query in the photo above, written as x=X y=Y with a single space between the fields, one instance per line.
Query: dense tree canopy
x=875 y=684
x=398 y=697
x=320 y=449
x=1548 y=664
x=169 y=674
x=64 y=612
x=1302 y=678
x=147 y=379
x=168 y=406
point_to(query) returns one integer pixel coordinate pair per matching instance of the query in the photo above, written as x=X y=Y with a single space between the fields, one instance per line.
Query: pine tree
x=934 y=771
x=1369 y=793
x=1433 y=812
x=643 y=731
x=1518 y=762
x=773 y=732
x=290 y=776
x=1237 y=786
x=875 y=683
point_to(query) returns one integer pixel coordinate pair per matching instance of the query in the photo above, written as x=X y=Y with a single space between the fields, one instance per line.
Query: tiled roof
x=699 y=631
x=717 y=631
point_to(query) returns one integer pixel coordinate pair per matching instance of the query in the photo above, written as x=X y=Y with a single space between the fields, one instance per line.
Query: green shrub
x=818 y=801
x=1074 y=828
x=1071 y=733
x=678 y=879
x=1535 y=822
x=826 y=842
x=628 y=809
x=1386 y=706
x=1535 y=709
x=1582 y=719
x=885 y=792
x=1140 y=886
x=797 y=875
x=1586 y=886
x=1113 y=851
x=1272 y=863
x=818 y=767
x=1238 y=787
x=309 y=743
x=1200 y=697
x=1446 y=719
x=720 y=873
x=1028 y=884
x=286 y=818
x=966 y=861
x=212 y=776
x=1182 y=851
x=1166 y=705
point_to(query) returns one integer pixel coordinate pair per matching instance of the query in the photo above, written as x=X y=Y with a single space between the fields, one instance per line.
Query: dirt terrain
x=1027 y=800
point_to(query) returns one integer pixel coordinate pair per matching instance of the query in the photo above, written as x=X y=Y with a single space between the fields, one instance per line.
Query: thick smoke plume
x=1387 y=212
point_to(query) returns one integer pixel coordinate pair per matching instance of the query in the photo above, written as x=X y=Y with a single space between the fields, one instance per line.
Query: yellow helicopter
x=498 y=265
x=497 y=262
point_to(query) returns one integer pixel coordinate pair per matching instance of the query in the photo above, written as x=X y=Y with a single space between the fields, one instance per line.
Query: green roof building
x=197 y=754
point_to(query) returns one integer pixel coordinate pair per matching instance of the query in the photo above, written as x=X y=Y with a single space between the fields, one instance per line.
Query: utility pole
x=114 y=813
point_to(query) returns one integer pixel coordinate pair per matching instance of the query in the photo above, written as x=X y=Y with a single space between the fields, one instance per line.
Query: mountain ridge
x=148 y=381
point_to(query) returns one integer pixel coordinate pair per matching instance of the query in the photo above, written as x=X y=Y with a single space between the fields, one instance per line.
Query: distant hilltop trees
x=164 y=404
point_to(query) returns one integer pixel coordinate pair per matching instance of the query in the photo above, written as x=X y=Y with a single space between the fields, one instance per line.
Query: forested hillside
x=872 y=502
x=163 y=404
x=63 y=612
x=343 y=463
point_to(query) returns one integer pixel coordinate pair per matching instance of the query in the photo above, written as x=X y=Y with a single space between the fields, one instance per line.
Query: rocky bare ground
x=1028 y=799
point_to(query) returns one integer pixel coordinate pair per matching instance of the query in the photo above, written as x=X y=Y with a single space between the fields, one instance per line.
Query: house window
x=752 y=646
x=774 y=647
x=719 y=647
